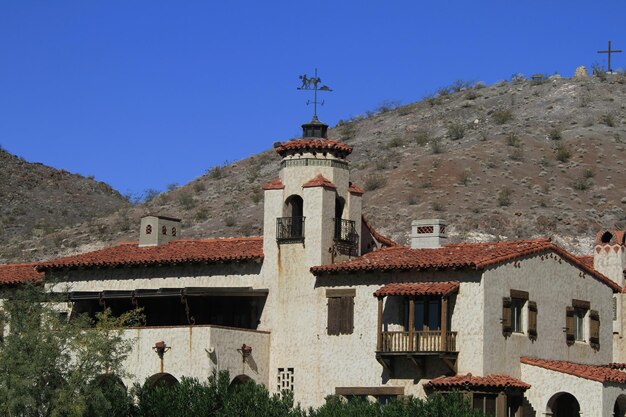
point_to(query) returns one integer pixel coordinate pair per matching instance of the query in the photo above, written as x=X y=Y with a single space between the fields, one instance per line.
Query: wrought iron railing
x=289 y=229
x=345 y=231
x=423 y=341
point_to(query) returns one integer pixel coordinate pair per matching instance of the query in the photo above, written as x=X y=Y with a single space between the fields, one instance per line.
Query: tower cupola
x=315 y=129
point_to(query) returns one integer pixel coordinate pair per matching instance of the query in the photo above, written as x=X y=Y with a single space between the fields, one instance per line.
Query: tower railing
x=290 y=229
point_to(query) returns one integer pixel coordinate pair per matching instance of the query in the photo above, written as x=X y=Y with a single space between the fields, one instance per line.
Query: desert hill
x=512 y=160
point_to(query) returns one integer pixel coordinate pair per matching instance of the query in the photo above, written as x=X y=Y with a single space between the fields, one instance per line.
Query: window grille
x=285 y=379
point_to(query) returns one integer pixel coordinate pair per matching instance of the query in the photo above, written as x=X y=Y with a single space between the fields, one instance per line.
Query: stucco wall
x=195 y=351
x=552 y=283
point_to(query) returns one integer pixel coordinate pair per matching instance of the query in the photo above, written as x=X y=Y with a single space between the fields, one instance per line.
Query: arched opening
x=239 y=380
x=619 y=409
x=292 y=226
x=606 y=237
x=162 y=379
x=563 y=404
x=294 y=206
x=339 y=206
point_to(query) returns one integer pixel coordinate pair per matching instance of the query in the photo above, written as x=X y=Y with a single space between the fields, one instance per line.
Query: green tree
x=50 y=365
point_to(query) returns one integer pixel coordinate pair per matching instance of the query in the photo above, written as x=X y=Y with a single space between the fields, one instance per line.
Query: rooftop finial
x=314 y=128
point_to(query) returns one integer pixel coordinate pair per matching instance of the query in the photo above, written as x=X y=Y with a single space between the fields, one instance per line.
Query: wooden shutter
x=569 y=326
x=594 y=329
x=506 y=316
x=347 y=315
x=532 y=320
x=334 y=315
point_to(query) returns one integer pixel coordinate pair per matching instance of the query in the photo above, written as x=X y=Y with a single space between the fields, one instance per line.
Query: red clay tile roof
x=456 y=256
x=592 y=372
x=418 y=288
x=616 y=365
x=472 y=382
x=320 y=181
x=275 y=184
x=19 y=273
x=383 y=240
x=587 y=260
x=175 y=252
x=355 y=189
x=314 y=145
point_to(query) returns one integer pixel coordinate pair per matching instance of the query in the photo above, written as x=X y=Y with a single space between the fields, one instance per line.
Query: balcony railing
x=423 y=341
x=290 y=229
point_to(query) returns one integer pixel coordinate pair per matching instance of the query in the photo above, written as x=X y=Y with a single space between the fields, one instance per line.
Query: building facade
x=322 y=304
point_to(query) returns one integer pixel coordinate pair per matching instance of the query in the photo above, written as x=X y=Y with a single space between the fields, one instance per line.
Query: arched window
x=164 y=230
x=174 y=231
x=149 y=229
x=606 y=237
x=294 y=206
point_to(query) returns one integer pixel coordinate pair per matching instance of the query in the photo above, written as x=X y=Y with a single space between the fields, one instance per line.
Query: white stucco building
x=321 y=304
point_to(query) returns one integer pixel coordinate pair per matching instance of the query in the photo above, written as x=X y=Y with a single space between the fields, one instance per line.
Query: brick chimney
x=428 y=233
x=158 y=230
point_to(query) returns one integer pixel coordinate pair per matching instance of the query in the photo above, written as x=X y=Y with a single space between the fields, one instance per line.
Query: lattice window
x=285 y=379
x=148 y=229
x=442 y=229
x=174 y=231
x=422 y=230
x=164 y=230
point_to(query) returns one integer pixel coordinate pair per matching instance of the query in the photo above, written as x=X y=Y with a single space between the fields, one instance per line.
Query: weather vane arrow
x=313 y=84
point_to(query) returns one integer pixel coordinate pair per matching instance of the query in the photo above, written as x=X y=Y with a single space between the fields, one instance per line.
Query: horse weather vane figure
x=609 y=52
x=313 y=83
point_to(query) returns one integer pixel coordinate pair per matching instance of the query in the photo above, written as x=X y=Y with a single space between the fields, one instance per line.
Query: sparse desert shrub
x=561 y=153
x=202 y=214
x=517 y=154
x=513 y=140
x=588 y=173
x=395 y=142
x=217 y=172
x=456 y=131
x=472 y=95
x=504 y=197
x=257 y=195
x=229 y=221
x=555 y=134
x=199 y=186
x=404 y=110
x=149 y=194
x=502 y=116
x=422 y=137
x=581 y=184
x=186 y=201
x=437 y=206
x=608 y=119
x=347 y=132
x=411 y=200
x=460 y=85
x=374 y=182
x=387 y=106
x=465 y=176
x=436 y=146
x=172 y=186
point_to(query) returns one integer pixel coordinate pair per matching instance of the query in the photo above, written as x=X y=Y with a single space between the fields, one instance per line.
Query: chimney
x=609 y=257
x=428 y=233
x=158 y=230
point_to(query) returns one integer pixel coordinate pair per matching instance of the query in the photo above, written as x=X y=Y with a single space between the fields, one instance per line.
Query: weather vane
x=313 y=83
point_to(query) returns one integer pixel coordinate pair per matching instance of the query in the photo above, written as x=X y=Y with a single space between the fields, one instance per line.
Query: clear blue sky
x=146 y=93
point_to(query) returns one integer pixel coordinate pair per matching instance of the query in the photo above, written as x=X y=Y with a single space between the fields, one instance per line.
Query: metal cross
x=313 y=83
x=609 y=52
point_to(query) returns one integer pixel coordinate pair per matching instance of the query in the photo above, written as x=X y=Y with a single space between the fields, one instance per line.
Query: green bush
x=374 y=182
x=555 y=134
x=436 y=146
x=504 y=197
x=456 y=131
x=502 y=116
x=562 y=154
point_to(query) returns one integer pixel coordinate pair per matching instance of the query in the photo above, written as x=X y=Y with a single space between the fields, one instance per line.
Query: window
x=576 y=316
x=340 y=311
x=579 y=324
x=427 y=314
x=174 y=231
x=285 y=379
x=517 y=306
x=513 y=312
x=164 y=230
x=148 y=229
x=485 y=403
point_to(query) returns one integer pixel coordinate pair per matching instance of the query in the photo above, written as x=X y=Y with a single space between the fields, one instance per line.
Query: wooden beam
x=341 y=292
x=501 y=405
x=379 y=338
x=444 y=324
x=411 y=322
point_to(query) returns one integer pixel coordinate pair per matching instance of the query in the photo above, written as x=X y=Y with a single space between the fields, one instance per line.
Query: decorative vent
x=148 y=229
x=442 y=229
x=164 y=230
x=174 y=231
x=285 y=379
x=422 y=230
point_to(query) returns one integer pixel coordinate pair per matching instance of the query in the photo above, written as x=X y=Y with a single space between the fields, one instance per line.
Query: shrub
x=387 y=106
x=472 y=95
x=588 y=173
x=229 y=221
x=186 y=201
x=437 y=206
x=374 y=182
x=217 y=172
x=436 y=146
x=460 y=85
x=607 y=119
x=502 y=116
x=561 y=153
x=517 y=154
x=504 y=197
x=422 y=137
x=202 y=214
x=513 y=140
x=149 y=194
x=555 y=134
x=172 y=186
x=257 y=195
x=456 y=131
x=465 y=176
x=199 y=186
x=395 y=142
x=581 y=184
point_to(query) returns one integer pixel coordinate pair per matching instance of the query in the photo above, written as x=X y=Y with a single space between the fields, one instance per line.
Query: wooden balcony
x=431 y=341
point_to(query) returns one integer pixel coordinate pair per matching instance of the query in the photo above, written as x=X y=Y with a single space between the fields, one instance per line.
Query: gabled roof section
x=320 y=181
x=275 y=184
x=355 y=189
x=383 y=240
x=314 y=145
x=418 y=288
x=173 y=253
x=468 y=382
x=12 y=274
x=598 y=373
x=456 y=256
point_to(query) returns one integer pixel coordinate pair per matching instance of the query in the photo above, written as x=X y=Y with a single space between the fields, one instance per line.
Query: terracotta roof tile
x=175 y=252
x=383 y=240
x=418 y=288
x=11 y=274
x=320 y=181
x=587 y=260
x=472 y=382
x=275 y=184
x=456 y=256
x=355 y=189
x=598 y=373
x=314 y=145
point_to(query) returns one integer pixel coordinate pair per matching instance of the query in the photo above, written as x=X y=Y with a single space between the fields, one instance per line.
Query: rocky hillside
x=36 y=201
x=512 y=160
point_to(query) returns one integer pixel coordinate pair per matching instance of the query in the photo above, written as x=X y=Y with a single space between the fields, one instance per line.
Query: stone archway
x=619 y=408
x=162 y=379
x=239 y=380
x=563 y=404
